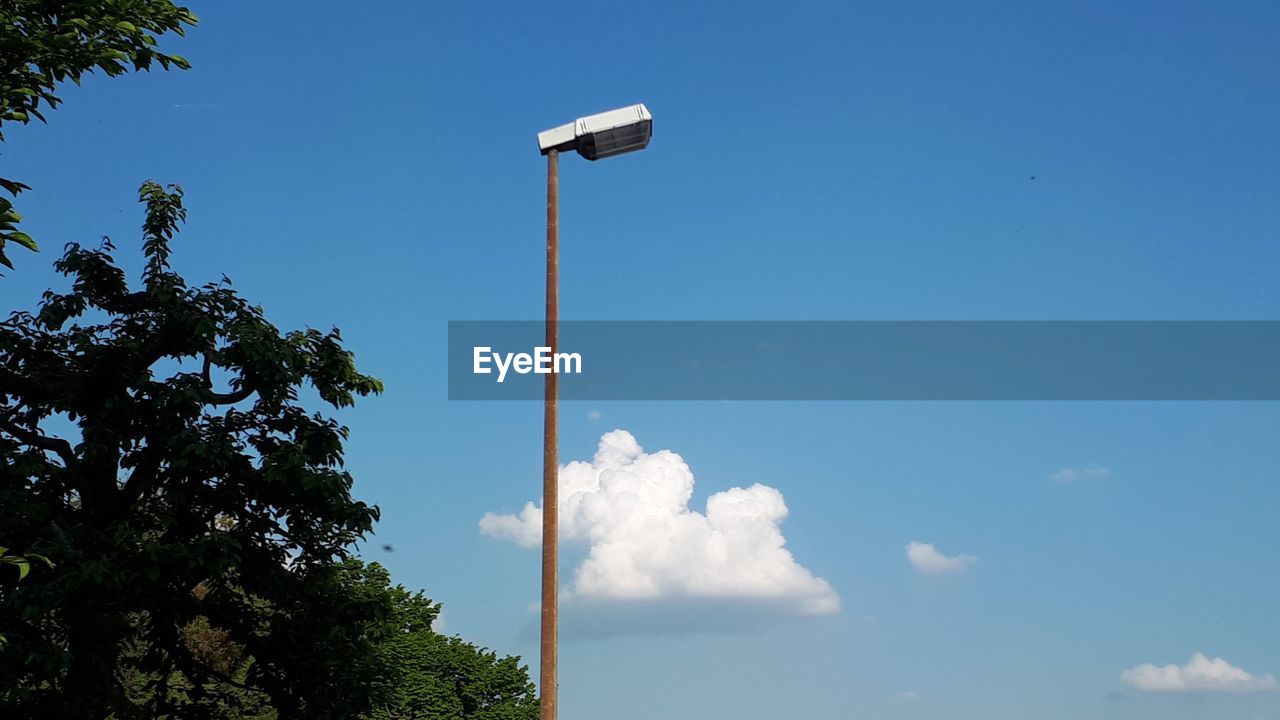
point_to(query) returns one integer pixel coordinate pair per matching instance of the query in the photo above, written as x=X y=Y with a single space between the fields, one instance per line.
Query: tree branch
x=230 y=398
x=61 y=448
x=214 y=398
x=142 y=477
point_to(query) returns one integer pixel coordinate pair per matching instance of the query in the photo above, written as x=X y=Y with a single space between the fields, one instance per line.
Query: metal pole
x=548 y=684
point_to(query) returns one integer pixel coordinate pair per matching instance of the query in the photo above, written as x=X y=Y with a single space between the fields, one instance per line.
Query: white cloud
x=910 y=696
x=631 y=509
x=1092 y=471
x=594 y=415
x=1200 y=674
x=926 y=558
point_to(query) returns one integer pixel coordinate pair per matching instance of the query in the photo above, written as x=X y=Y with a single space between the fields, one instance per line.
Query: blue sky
x=377 y=170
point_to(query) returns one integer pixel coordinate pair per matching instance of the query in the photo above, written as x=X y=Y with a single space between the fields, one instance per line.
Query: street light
x=594 y=137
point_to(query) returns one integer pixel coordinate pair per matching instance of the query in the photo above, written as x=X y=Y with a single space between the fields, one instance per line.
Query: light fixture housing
x=602 y=135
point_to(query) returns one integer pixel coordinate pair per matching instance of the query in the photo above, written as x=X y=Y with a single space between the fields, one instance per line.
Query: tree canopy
x=163 y=483
x=430 y=675
x=196 y=520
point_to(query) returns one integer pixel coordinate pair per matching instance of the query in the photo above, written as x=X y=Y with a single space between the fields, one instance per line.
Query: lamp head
x=601 y=135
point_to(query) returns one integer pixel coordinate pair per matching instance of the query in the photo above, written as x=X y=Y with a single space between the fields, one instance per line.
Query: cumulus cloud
x=1200 y=674
x=1091 y=471
x=926 y=558
x=630 y=508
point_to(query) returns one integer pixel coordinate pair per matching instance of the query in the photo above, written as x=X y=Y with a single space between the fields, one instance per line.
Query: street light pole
x=594 y=137
x=548 y=682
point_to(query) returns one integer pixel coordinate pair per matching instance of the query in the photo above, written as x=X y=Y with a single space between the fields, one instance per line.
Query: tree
x=44 y=43
x=199 y=534
x=426 y=674
x=166 y=502
x=420 y=673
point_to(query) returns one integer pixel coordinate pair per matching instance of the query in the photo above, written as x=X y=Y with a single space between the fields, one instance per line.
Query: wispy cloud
x=1199 y=674
x=1091 y=471
x=594 y=415
x=631 y=508
x=926 y=558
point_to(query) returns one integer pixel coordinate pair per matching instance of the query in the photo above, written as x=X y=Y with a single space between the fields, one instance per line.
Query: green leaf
x=24 y=567
x=24 y=240
x=41 y=558
x=126 y=26
x=12 y=186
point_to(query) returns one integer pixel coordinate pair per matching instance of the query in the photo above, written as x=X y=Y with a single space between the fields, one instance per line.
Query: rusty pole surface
x=548 y=683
